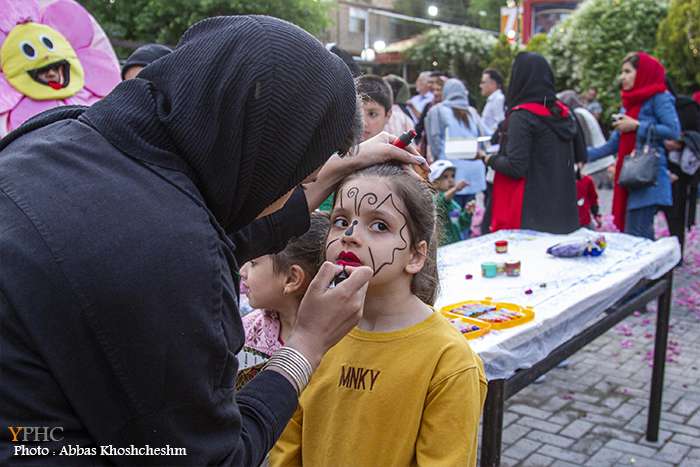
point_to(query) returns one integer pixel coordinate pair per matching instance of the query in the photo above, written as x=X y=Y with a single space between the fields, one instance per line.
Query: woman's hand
x=482 y=156
x=378 y=150
x=375 y=150
x=326 y=314
x=625 y=124
x=672 y=145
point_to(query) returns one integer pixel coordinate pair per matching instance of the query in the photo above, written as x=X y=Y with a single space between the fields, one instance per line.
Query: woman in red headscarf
x=648 y=110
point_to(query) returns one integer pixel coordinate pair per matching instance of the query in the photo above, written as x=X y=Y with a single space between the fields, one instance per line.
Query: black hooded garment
x=121 y=230
x=540 y=149
x=145 y=55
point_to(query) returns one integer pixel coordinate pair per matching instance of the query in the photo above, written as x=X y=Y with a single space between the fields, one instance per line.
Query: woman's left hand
x=625 y=124
x=379 y=149
x=374 y=151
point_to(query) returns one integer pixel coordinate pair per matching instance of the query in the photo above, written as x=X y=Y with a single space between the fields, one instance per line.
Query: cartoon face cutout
x=40 y=63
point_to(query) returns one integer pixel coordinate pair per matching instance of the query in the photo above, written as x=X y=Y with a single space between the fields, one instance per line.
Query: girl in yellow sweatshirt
x=403 y=388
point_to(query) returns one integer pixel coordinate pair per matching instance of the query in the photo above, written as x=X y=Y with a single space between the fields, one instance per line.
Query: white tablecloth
x=567 y=293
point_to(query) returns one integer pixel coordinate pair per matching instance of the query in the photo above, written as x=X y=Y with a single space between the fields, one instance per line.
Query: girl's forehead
x=369 y=187
x=367 y=184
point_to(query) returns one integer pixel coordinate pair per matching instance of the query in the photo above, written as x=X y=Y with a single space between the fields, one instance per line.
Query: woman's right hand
x=326 y=314
x=672 y=145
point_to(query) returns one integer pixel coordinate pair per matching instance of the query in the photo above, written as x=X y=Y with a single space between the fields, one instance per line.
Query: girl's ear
x=417 y=260
x=294 y=282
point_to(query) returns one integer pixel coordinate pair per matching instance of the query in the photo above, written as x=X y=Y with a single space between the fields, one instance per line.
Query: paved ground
x=594 y=411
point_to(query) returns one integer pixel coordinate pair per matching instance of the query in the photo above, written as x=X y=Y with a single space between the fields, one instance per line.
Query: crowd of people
x=532 y=174
x=142 y=218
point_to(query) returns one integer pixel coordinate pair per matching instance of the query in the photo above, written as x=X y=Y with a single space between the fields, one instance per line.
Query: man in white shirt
x=492 y=88
x=494 y=113
x=419 y=101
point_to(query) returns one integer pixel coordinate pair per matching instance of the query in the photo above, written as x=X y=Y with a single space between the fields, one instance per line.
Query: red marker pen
x=405 y=139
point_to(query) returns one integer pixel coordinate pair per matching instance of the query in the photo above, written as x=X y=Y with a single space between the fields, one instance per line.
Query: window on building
x=357 y=20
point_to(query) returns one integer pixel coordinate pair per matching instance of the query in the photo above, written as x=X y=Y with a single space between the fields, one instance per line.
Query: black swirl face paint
x=370 y=202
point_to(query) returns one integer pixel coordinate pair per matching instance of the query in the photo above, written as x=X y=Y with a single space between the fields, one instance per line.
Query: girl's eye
x=252 y=262
x=379 y=226
x=340 y=222
x=47 y=42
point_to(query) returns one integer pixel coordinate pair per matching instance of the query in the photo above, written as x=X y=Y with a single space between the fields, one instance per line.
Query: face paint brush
x=340 y=278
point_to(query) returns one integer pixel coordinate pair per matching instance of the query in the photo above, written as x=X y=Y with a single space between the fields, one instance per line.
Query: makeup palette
x=470 y=328
x=500 y=315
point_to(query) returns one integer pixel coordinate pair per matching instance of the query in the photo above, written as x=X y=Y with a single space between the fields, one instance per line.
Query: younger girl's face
x=369 y=227
x=627 y=76
x=265 y=287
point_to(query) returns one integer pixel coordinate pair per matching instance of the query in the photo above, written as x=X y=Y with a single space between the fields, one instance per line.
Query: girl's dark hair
x=418 y=198
x=462 y=115
x=632 y=58
x=306 y=250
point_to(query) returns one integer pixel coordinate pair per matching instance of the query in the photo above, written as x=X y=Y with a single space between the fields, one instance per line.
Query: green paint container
x=489 y=269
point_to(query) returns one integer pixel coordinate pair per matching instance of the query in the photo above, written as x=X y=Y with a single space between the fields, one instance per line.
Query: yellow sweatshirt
x=411 y=397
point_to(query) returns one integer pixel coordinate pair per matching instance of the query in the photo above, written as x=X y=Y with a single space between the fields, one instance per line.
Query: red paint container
x=501 y=246
x=513 y=268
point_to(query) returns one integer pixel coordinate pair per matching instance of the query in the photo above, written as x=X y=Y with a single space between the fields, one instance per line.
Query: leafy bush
x=502 y=58
x=462 y=52
x=538 y=43
x=586 y=49
x=678 y=43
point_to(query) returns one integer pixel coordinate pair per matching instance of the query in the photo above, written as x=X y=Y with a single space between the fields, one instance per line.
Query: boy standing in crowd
x=455 y=221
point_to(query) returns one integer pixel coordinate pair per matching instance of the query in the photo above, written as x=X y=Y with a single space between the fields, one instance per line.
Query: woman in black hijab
x=122 y=227
x=535 y=186
x=139 y=58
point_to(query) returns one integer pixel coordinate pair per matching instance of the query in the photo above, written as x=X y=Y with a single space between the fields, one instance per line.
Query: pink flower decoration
x=87 y=39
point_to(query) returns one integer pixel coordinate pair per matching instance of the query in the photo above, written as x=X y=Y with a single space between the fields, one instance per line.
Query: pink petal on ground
x=71 y=20
x=27 y=108
x=14 y=12
x=9 y=96
x=101 y=71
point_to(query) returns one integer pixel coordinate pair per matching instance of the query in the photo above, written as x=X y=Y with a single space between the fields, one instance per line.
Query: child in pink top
x=275 y=285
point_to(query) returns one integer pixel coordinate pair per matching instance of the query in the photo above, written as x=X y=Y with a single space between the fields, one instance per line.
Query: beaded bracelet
x=293 y=363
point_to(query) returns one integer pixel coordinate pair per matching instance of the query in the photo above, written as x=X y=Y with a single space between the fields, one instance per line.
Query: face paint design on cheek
x=339 y=200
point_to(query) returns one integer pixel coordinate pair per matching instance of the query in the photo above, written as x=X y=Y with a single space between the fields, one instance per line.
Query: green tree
x=678 y=43
x=485 y=14
x=164 y=21
x=502 y=56
x=462 y=52
x=587 y=48
x=538 y=43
